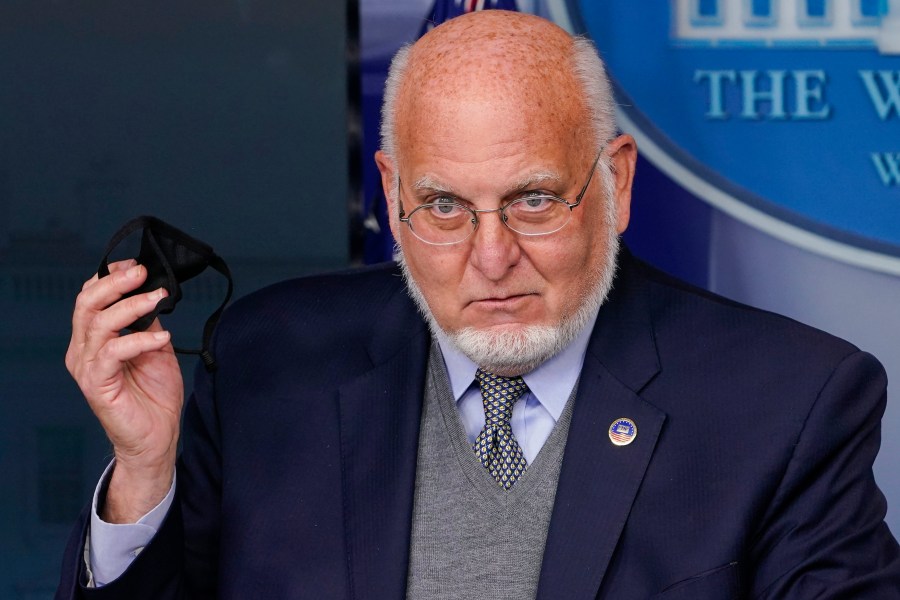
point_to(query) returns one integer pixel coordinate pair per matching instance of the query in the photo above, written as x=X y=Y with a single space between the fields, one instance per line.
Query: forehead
x=505 y=131
x=486 y=139
x=507 y=84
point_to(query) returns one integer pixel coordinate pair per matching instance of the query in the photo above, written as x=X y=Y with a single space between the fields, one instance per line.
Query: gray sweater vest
x=471 y=538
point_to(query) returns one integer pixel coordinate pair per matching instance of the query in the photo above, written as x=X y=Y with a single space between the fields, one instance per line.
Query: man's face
x=484 y=154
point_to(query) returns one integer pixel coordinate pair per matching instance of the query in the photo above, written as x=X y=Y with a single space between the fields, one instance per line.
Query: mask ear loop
x=209 y=361
x=126 y=230
x=168 y=302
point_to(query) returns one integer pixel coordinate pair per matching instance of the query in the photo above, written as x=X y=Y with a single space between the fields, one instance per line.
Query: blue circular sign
x=791 y=107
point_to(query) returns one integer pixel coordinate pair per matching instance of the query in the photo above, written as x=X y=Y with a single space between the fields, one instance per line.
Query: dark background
x=227 y=119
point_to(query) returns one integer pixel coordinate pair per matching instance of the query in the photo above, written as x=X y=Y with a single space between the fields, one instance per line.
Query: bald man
x=517 y=409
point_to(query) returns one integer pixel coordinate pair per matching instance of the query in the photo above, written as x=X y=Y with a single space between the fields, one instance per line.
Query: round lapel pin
x=622 y=432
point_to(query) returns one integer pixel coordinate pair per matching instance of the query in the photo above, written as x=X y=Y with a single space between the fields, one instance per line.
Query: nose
x=495 y=247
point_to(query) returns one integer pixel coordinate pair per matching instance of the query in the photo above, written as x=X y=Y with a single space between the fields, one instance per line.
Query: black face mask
x=171 y=257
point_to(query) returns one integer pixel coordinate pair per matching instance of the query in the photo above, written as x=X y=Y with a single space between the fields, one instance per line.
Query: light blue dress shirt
x=536 y=412
x=111 y=548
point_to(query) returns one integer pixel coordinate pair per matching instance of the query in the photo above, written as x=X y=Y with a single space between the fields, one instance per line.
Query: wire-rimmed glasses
x=447 y=222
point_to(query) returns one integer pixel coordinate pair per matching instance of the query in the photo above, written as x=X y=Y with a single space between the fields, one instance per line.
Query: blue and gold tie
x=495 y=446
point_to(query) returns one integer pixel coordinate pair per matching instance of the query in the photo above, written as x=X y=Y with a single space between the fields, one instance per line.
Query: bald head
x=503 y=63
x=491 y=53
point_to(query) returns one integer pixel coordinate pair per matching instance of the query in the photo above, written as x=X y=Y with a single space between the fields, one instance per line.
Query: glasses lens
x=443 y=223
x=537 y=215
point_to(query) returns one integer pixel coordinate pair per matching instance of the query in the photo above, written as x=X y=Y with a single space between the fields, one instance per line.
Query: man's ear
x=623 y=160
x=388 y=175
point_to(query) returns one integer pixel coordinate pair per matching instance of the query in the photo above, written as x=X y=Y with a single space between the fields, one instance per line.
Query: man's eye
x=445 y=208
x=535 y=202
x=445 y=205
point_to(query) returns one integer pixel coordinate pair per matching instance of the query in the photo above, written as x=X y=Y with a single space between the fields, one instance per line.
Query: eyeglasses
x=446 y=222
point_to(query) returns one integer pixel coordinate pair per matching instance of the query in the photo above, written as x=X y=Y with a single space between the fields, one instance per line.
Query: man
x=520 y=441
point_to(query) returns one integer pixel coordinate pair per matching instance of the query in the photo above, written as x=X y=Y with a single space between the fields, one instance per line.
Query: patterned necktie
x=495 y=446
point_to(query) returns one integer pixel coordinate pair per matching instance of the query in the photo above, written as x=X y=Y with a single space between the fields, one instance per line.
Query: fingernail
x=161 y=335
x=159 y=294
x=133 y=272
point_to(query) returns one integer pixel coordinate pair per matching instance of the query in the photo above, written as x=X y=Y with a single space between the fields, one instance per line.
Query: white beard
x=515 y=352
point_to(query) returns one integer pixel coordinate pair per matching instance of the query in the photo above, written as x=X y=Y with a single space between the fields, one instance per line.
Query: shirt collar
x=551 y=382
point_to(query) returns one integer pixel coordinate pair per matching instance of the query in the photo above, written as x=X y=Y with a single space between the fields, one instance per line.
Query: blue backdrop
x=769 y=135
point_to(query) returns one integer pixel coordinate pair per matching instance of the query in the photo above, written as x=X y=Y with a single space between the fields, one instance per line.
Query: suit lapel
x=379 y=420
x=599 y=480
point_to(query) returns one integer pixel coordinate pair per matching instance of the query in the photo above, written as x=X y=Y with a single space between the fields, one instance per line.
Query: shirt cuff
x=110 y=547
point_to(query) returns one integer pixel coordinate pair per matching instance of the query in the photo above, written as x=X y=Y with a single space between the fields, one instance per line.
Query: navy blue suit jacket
x=750 y=475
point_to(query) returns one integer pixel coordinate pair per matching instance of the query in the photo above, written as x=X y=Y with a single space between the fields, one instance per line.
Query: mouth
x=503 y=302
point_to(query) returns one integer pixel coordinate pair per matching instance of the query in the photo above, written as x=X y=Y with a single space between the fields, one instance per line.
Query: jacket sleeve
x=824 y=534
x=155 y=574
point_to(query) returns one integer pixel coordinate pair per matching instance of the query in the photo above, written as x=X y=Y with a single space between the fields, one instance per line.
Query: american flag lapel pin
x=622 y=432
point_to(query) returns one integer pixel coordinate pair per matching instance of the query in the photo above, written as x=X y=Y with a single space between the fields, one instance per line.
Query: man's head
x=486 y=109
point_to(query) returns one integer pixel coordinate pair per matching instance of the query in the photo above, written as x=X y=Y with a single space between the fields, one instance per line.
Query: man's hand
x=133 y=385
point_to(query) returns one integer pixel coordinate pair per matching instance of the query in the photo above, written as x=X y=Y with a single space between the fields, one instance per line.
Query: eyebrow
x=532 y=178
x=426 y=182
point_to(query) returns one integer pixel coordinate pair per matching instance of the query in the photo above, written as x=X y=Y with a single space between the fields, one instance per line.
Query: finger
x=75 y=351
x=120 y=265
x=101 y=294
x=107 y=324
x=117 y=351
x=85 y=308
x=155 y=325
